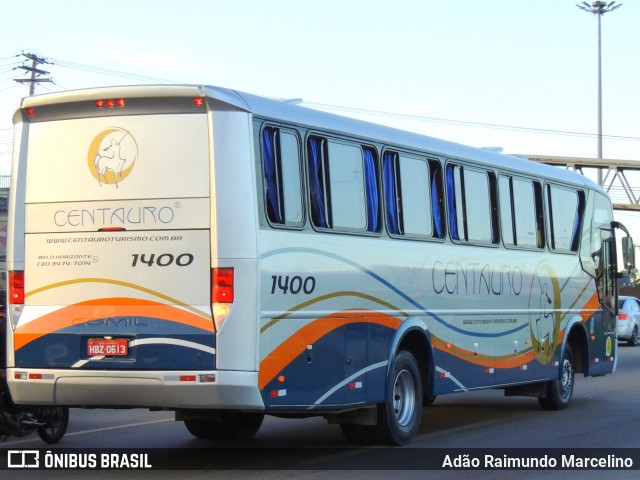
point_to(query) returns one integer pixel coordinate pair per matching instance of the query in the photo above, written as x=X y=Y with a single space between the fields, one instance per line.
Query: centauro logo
x=544 y=303
x=112 y=156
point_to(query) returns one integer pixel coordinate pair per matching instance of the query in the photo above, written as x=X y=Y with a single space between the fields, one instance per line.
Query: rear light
x=198 y=101
x=623 y=316
x=31 y=111
x=110 y=103
x=16 y=287
x=222 y=294
x=222 y=285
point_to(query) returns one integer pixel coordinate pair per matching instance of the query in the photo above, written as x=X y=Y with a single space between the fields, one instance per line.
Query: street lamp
x=599 y=9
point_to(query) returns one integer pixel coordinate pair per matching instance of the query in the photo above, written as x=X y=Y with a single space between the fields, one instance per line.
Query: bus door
x=602 y=328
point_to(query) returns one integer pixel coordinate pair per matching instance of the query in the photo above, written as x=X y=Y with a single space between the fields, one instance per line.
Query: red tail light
x=623 y=316
x=16 y=287
x=110 y=103
x=222 y=285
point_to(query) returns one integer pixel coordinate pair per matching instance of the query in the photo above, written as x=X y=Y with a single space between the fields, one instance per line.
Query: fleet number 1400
x=293 y=285
x=163 y=260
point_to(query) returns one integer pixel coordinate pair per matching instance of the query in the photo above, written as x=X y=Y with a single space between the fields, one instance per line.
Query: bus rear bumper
x=162 y=389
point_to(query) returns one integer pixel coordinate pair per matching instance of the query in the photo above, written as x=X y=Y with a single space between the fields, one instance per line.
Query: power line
x=110 y=72
x=423 y=118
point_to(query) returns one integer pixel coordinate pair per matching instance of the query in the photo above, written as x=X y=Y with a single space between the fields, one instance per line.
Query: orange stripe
x=104 y=308
x=511 y=361
x=297 y=343
x=592 y=305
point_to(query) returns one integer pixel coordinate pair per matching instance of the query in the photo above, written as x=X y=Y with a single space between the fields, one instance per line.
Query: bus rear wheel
x=399 y=417
x=230 y=426
x=558 y=392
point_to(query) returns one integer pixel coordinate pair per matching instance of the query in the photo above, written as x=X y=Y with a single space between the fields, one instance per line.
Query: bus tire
x=399 y=416
x=231 y=426
x=558 y=392
x=57 y=421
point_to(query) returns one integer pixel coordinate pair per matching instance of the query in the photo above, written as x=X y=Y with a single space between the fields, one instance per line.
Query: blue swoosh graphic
x=390 y=286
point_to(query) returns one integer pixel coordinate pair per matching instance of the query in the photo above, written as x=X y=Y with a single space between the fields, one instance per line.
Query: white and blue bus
x=228 y=256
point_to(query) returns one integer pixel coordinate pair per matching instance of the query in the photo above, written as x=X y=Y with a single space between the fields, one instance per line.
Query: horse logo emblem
x=112 y=155
x=545 y=307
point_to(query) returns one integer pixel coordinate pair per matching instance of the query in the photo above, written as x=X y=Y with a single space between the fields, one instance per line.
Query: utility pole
x=35 y=61
x=599 y=8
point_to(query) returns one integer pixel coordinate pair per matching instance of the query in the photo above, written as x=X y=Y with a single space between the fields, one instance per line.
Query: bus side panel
x=325 y=335
x=234 y=239
x=510 y=331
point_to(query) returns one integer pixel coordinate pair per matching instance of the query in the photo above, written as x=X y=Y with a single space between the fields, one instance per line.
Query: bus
x=228 y=256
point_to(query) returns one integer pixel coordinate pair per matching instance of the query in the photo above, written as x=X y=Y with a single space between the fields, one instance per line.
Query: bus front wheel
x=558 y=392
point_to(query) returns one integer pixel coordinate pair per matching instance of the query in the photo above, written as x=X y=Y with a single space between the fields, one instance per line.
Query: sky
x=520 y=75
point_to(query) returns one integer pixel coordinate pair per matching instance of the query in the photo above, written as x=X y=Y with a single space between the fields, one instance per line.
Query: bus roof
x=291 y=113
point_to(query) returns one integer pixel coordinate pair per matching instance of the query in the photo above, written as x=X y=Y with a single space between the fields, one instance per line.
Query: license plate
x=108 y=347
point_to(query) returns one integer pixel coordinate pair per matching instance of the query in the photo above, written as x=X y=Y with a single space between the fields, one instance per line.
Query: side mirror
x=628 y=253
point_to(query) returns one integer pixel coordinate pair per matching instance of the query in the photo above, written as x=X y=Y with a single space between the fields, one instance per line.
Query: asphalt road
x=604 y=413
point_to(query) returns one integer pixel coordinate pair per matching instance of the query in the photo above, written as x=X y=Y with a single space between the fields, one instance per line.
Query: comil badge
x=112 y=156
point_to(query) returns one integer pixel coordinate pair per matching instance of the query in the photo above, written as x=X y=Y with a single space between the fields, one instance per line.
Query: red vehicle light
x=623 y=316
x=110 y=103
x=16 y=287
x=198 y=101
x=222 y=285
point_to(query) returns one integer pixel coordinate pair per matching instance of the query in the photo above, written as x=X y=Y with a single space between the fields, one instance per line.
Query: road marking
x=95 y=430
x=116 y=427
x=449 y=431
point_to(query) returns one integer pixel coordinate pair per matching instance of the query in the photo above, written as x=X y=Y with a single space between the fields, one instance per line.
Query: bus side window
x=272 y=184
x=392 y=194
x=566 y=212
x=577 y=227
x=472 y=198
x=318 y=182
x=437 y=199
x=343 y=185
x=413 y=196
x=372 y=191
x=452 y=206
x=347 y=186
x=282 y=179
x=416 y=197
x=540 y=231
x=521 y=212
